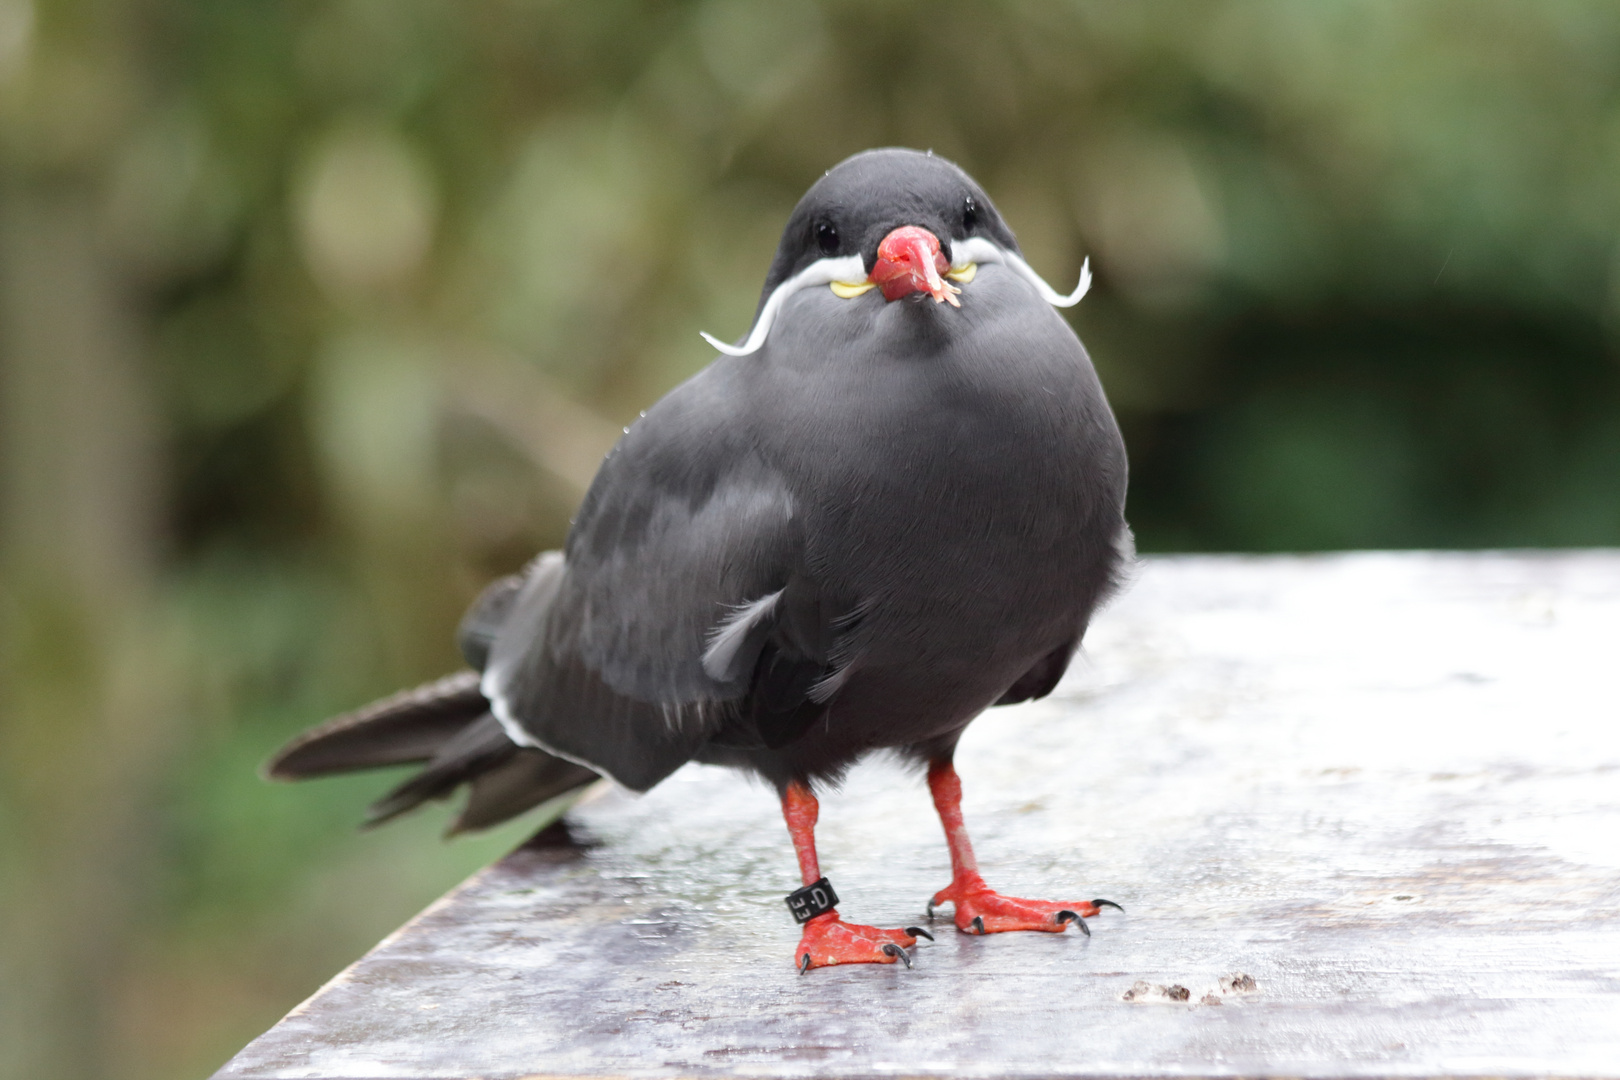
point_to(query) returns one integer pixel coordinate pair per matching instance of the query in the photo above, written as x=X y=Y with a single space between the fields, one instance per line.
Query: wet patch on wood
x=1360 y=809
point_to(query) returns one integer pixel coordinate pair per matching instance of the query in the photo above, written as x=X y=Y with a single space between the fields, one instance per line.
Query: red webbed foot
x=982 y=910
x=828 y=940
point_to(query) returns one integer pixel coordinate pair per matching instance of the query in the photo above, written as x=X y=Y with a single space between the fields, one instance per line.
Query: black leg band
x=812 y=900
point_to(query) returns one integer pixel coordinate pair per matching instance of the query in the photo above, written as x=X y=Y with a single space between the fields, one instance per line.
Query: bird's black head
x=898 y=221
x=865 y=198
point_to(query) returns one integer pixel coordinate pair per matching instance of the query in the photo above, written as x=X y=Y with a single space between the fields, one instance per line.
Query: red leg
x=828 y=939
x=980 y=909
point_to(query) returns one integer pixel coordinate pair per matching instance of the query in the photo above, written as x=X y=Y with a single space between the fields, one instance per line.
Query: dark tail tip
x=404 y=728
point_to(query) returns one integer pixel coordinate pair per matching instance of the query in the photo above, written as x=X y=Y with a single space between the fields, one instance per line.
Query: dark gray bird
x=895 y=504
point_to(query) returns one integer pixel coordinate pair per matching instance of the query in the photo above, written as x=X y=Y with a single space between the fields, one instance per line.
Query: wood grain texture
x=1386 y=787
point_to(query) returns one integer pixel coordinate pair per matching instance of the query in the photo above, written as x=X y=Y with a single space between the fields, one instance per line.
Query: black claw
x=978 y=924
x=1065 y=915
x=804 y=963
x=1107 y=903
x=898 y=953
x=917 y=931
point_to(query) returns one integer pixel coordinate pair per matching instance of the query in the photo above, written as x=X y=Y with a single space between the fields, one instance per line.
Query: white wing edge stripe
x=731 y=632
x=497 y=706
x=976 y=249
x=520 y=735
x=820 y=272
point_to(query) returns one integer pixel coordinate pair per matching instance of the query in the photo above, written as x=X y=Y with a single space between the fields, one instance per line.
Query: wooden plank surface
x=1384 y=787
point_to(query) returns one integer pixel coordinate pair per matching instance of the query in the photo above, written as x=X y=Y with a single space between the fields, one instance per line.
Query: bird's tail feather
x=447 y=725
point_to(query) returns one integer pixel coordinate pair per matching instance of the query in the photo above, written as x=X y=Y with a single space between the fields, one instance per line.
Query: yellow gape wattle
x=849 y=290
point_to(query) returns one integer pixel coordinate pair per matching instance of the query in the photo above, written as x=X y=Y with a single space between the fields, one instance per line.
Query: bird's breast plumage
x=958 y=473
x=930 y=447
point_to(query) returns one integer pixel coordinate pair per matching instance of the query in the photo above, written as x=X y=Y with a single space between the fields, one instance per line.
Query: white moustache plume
x=820 y=272
x=976 y=249
x=850 y=268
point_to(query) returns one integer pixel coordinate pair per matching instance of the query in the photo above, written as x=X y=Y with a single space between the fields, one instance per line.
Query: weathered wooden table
x=1384 y=787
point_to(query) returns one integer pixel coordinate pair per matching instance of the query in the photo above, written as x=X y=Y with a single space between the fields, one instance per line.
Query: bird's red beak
x=909 y=260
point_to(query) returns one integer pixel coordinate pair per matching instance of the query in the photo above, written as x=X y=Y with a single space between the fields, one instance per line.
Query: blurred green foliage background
x=315 y=315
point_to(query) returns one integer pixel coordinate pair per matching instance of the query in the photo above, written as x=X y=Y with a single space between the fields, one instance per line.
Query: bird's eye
x=970 y=213
x=827 y=237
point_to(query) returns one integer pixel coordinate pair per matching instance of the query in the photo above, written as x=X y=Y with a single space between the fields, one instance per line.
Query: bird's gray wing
x=631 y=648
